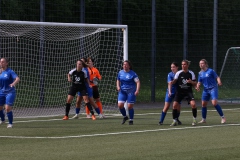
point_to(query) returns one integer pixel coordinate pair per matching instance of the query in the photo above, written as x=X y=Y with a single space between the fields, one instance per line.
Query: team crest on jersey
x=184 y=81
x=128 y=76
x=207 y=75
x=5 y=75
x=77 y=79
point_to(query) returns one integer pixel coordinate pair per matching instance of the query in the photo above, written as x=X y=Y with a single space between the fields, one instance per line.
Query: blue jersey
x=128 y=80
x=169 y=79
x=7 y=77
x=208 y=78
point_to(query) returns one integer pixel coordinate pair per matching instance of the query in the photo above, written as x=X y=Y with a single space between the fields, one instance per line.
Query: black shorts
x=180 y=96
x=73 y=90
x=95 y=92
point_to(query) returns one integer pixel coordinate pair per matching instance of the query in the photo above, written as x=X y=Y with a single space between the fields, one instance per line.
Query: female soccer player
x=90 y=96
x=78 y=77
x=210 y=80
x=8 y=81
x=128 y=86
x=168 y=99
x=94 y=74
x=184 y=80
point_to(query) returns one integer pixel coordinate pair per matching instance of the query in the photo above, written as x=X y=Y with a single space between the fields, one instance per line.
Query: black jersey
x=78 y=78
x=182 y=77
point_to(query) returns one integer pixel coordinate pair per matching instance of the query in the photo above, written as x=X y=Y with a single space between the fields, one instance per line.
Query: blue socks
x=77 y=110
x=162 y=116
x=2 y=116
x=204 y=112
x=10 y=117
x=131 y=113
x=219 y=110
x=97 y=110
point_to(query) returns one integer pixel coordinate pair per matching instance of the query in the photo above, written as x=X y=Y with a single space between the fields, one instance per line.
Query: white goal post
x=42 y=53
x=230 y=76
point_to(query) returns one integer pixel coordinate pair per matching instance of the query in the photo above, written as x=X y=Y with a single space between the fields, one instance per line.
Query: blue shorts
x=126 y=96
x=7 y=99
x=169 y=99
x=89 y=92
x=210 y=93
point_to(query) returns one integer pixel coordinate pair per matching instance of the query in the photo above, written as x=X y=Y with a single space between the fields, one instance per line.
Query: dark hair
x=85 y=60
x=129 y=63
x=187 y=61
x=89 y=58
x=175 y=64
x=83 y=64
x=6 y=59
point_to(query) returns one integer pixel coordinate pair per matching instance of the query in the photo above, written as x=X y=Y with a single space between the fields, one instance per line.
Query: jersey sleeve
x=71 y=72
x=169 y=78
x=214 y=74
x=199 y=77
x=98 y=75
x=13 y=74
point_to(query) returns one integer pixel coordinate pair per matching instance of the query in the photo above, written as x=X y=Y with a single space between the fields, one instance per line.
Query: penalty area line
x=118 y=133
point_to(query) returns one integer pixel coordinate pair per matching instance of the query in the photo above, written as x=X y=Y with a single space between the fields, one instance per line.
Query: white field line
x=115 y=115
x=118 y=133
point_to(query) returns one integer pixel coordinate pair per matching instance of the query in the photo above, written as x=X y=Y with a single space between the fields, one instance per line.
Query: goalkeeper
x=78 y=77
x=94 y=76
x=128 y=86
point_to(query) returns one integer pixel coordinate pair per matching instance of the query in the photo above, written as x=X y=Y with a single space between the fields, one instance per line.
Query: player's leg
x=96 y=97
x=205 y=99
x=214 y=95
x=10 y=98
x=122 y=97
x=192 y=102
x=78 y=106
x=131 y=101
x=72 y=92
x=167 y=103
x=175 y=112
x=87 y=103
x=2 y=102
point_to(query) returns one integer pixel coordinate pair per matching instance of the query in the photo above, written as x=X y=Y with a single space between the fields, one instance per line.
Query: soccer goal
x=230 y=76
x=43 y=53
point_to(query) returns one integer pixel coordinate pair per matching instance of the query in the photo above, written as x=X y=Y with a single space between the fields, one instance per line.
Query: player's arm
x=69 y=77
x=118 y=85
x=138 y=85
x=15 y=82
x=198 y=86
x=170 y=88
x=219 y=81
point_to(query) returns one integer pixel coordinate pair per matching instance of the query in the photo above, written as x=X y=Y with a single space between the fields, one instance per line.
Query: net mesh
x=229 y=91
x=42 y=56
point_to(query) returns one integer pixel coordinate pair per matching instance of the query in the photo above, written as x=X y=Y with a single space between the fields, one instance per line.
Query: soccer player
x=78 y=77
x=90 y=96
x=184 y=80
x=169 y=99
x=210 y=81
x=94 y=75
x=128 y=86
x=8 y=81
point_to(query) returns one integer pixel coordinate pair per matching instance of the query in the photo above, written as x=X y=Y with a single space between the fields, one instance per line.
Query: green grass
x=107 y=139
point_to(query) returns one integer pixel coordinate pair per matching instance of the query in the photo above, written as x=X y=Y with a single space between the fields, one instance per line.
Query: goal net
x=43 y=53
x=229 y=91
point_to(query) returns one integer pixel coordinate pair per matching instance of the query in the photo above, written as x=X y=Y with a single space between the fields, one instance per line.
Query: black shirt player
x=184 y=80
x=78 y=77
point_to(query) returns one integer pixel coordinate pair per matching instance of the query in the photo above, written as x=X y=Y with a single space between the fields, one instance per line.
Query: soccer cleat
x=100 y=116
x=202 y=121
x=160 y=123
x=9 y=126
x=194 y=123
x=124 y=119
x=174 y=123
x=88 y=116
x=93 y=117
x=179 y=122
x=131 y=122
x=1 y=122
x=76 y=116
x=65 y=118
x=223 y=120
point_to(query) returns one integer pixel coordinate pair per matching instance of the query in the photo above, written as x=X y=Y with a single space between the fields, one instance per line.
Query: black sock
x=175 y=113
x=67 y=109
x=90 y=108
x=194 y=112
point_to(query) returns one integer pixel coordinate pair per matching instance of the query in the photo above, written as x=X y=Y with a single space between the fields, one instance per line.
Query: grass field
x=106 y=139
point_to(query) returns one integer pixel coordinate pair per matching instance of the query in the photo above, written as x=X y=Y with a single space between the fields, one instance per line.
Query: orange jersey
x=93 y=73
